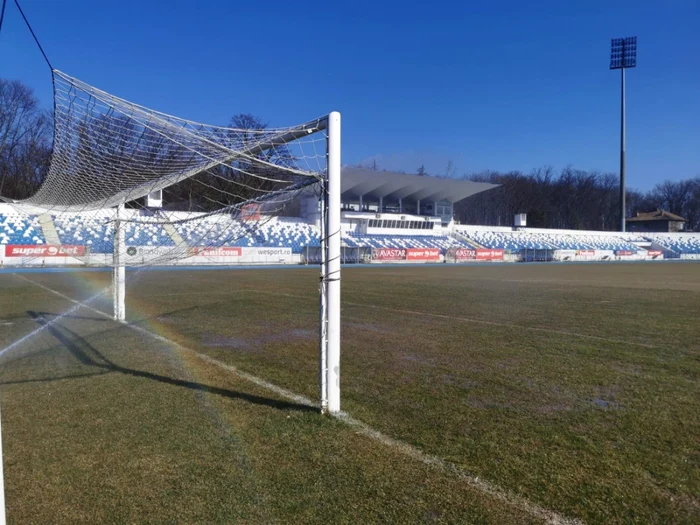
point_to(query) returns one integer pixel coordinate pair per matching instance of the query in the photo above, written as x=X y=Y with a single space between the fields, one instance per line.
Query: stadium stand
x=526 y=240
x=97 y=233
x=355 y=240
x=608 y=242
x=681 y=244
x=277 y=232
x=20 y=229
x=290 y=232
x=94 y=232
x=373 y=218
x=508 y=240
x=147 y=235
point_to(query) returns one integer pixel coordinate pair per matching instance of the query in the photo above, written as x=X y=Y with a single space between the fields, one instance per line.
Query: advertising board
x=388 y=254
x=462 y=254
x=495 y=254
x=43 y=250
x=422 y=254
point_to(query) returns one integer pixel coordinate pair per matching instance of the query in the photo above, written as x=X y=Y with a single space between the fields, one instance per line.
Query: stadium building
x=656 y=221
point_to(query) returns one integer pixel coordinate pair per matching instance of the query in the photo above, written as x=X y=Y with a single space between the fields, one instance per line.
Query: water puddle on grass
x=553 y=408
x=418 y=359
x=604 y=403
x=303 y=333
x=365 y=326
x=219 y=341
x=486 y=404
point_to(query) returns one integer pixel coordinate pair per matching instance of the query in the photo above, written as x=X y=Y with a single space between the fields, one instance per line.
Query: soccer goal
x=224 y=191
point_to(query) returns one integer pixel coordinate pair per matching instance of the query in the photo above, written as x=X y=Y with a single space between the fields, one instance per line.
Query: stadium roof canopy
x=374 y=184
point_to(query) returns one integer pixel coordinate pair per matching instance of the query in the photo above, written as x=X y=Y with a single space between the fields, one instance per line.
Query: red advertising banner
x=489 y=255
x=388 y=254
x=423 y=254
x=43 y=250
x=585 y=252
x=227 y=251
x=655 y=253
x=624 y=253
x=461 y=254
x=250 y=212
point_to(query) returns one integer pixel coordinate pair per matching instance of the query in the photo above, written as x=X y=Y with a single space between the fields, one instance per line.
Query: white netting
x=223 y=187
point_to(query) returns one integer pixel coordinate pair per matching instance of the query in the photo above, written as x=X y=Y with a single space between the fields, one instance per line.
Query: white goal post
x=118 y=268
x=332 y=277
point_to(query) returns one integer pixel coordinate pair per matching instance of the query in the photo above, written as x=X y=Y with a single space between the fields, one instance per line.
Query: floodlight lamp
x=623 y=52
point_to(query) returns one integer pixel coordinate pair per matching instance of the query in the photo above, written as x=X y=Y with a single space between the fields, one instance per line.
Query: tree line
x=569 y=198
x=573 y=199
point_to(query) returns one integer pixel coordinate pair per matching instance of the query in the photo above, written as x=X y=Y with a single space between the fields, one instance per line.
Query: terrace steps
x=174 y=234
x=49 y=229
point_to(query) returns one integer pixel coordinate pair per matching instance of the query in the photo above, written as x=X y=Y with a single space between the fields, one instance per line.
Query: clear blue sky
x=497 y=85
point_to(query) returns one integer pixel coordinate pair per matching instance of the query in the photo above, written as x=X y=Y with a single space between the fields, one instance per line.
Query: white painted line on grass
x=95 y=310
x=485 y=487
x=2 y=482
x=481 y=485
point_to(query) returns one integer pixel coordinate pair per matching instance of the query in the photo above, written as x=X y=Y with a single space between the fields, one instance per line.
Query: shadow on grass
x=50 y=379
x=73 y=316
x=88 y=355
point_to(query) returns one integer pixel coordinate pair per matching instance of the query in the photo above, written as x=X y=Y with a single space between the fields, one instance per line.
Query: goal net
x=220 y=185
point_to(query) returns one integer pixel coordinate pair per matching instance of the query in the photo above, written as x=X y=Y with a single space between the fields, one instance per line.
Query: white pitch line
x=2 y=483
x=95 y=310
x=481 y=485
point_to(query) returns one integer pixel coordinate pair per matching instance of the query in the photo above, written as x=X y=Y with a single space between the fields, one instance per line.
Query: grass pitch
x=572 y=387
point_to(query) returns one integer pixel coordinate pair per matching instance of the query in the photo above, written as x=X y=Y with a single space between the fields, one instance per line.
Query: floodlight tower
x=623 y=54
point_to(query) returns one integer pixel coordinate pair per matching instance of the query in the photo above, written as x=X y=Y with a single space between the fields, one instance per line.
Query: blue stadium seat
x=274 y=232
x=358 y=240
x=95 y=232
x=522 y=240
x=20 y=229
x=682 y=243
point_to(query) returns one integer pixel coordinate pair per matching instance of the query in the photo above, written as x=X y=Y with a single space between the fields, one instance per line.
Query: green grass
x=573 y=386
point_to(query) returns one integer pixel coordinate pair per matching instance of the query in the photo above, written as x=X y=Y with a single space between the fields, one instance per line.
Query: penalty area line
x=476 y=483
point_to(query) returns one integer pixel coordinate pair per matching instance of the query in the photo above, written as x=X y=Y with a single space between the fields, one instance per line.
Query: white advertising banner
x=240 y=255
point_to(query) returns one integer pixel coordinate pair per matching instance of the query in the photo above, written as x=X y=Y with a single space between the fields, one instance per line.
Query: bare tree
x=25 y=141
x=673 y=196
x=368 y=164
x=237 y=181
x=572 y=198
